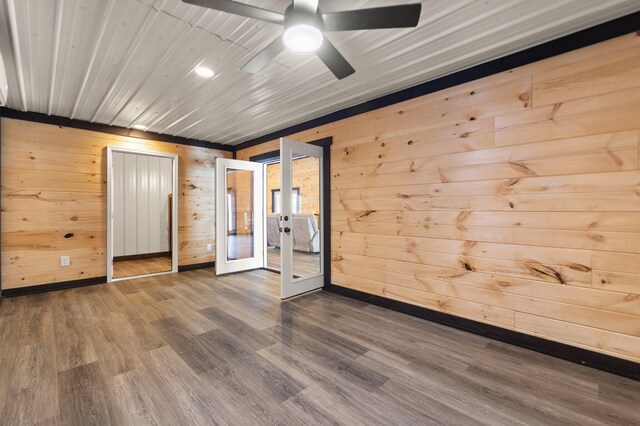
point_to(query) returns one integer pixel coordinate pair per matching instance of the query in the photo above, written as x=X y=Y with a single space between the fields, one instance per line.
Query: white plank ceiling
x=123 y=62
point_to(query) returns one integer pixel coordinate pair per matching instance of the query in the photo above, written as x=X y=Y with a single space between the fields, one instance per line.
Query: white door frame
x=110 y=213
x=290 y=286
x=223 y=265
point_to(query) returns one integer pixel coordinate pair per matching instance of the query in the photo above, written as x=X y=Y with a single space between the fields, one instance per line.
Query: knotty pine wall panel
x=54 y=201
x=512 y=200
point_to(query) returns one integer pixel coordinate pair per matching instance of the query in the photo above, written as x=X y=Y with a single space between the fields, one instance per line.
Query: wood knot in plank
x=469 y=244
x=464 y=215
x=522 y=168
x=443 y=304
x=579 y=267
x=364 y=214
x=596 y=237
x=468 y=267
x=542 y=271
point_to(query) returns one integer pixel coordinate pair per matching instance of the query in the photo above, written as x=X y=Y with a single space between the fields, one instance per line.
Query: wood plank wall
x=512 y=200
x=54 y=201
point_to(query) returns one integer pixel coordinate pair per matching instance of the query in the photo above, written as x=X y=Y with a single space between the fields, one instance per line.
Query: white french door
x=302 y=262
x=240 y=212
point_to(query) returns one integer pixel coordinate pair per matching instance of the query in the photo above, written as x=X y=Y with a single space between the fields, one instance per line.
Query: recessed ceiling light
x=204 y=72
x=303 y=38
x=139 y=127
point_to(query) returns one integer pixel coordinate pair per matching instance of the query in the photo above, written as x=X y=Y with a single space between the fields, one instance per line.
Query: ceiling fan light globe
x=303 y=38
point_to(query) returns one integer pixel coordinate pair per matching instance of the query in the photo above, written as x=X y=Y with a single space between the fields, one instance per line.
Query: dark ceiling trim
x=602 y=32
x=105 y=128
x=274 y=156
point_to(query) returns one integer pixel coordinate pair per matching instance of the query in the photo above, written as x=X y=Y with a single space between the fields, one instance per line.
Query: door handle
x=287 y=230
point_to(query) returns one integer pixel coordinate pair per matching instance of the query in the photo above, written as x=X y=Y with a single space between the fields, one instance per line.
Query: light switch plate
x=209 y=247
x=65 y=261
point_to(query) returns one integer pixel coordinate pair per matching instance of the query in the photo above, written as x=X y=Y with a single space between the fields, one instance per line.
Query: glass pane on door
x=301 y=251
x=274 y=211
x=240 y=214
x=305 y=225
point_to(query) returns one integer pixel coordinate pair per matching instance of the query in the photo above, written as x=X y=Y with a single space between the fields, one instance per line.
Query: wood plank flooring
x=131 y=268
x=192 y=348
x=304 y=264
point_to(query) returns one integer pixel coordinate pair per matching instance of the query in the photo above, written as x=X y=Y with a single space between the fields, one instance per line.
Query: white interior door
x=302 y=245
x=239 y=215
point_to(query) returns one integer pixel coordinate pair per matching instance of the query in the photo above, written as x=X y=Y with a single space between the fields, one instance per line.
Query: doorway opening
x=294 y=208
x=142 y=229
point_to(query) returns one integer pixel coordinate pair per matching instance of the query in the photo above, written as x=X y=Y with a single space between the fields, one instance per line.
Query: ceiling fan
x=305 y=25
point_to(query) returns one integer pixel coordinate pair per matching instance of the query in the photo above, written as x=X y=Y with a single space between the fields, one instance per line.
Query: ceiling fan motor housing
x=293 y=17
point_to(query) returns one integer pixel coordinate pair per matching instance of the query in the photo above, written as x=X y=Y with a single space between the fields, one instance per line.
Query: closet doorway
x=142 y=226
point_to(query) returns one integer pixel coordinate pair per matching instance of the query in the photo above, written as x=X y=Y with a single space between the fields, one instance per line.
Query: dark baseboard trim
x=141 y=256
x=105 y=128
x=184 y=268
x=63 y=285
x=610 y=364
x=599 y=33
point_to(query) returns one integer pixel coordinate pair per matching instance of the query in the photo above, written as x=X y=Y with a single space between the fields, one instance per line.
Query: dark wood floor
x=304 y=264
x=131 y=268
x=192 y=348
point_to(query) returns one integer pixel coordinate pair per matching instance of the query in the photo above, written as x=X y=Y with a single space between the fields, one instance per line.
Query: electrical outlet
x=209 y=247
x=65 y=261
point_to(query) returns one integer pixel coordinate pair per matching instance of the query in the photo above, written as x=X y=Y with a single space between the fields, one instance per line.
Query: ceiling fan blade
x=309 y=6
x=241 y=9
x=263 y=58
x=334 y=60
x=370 y=19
